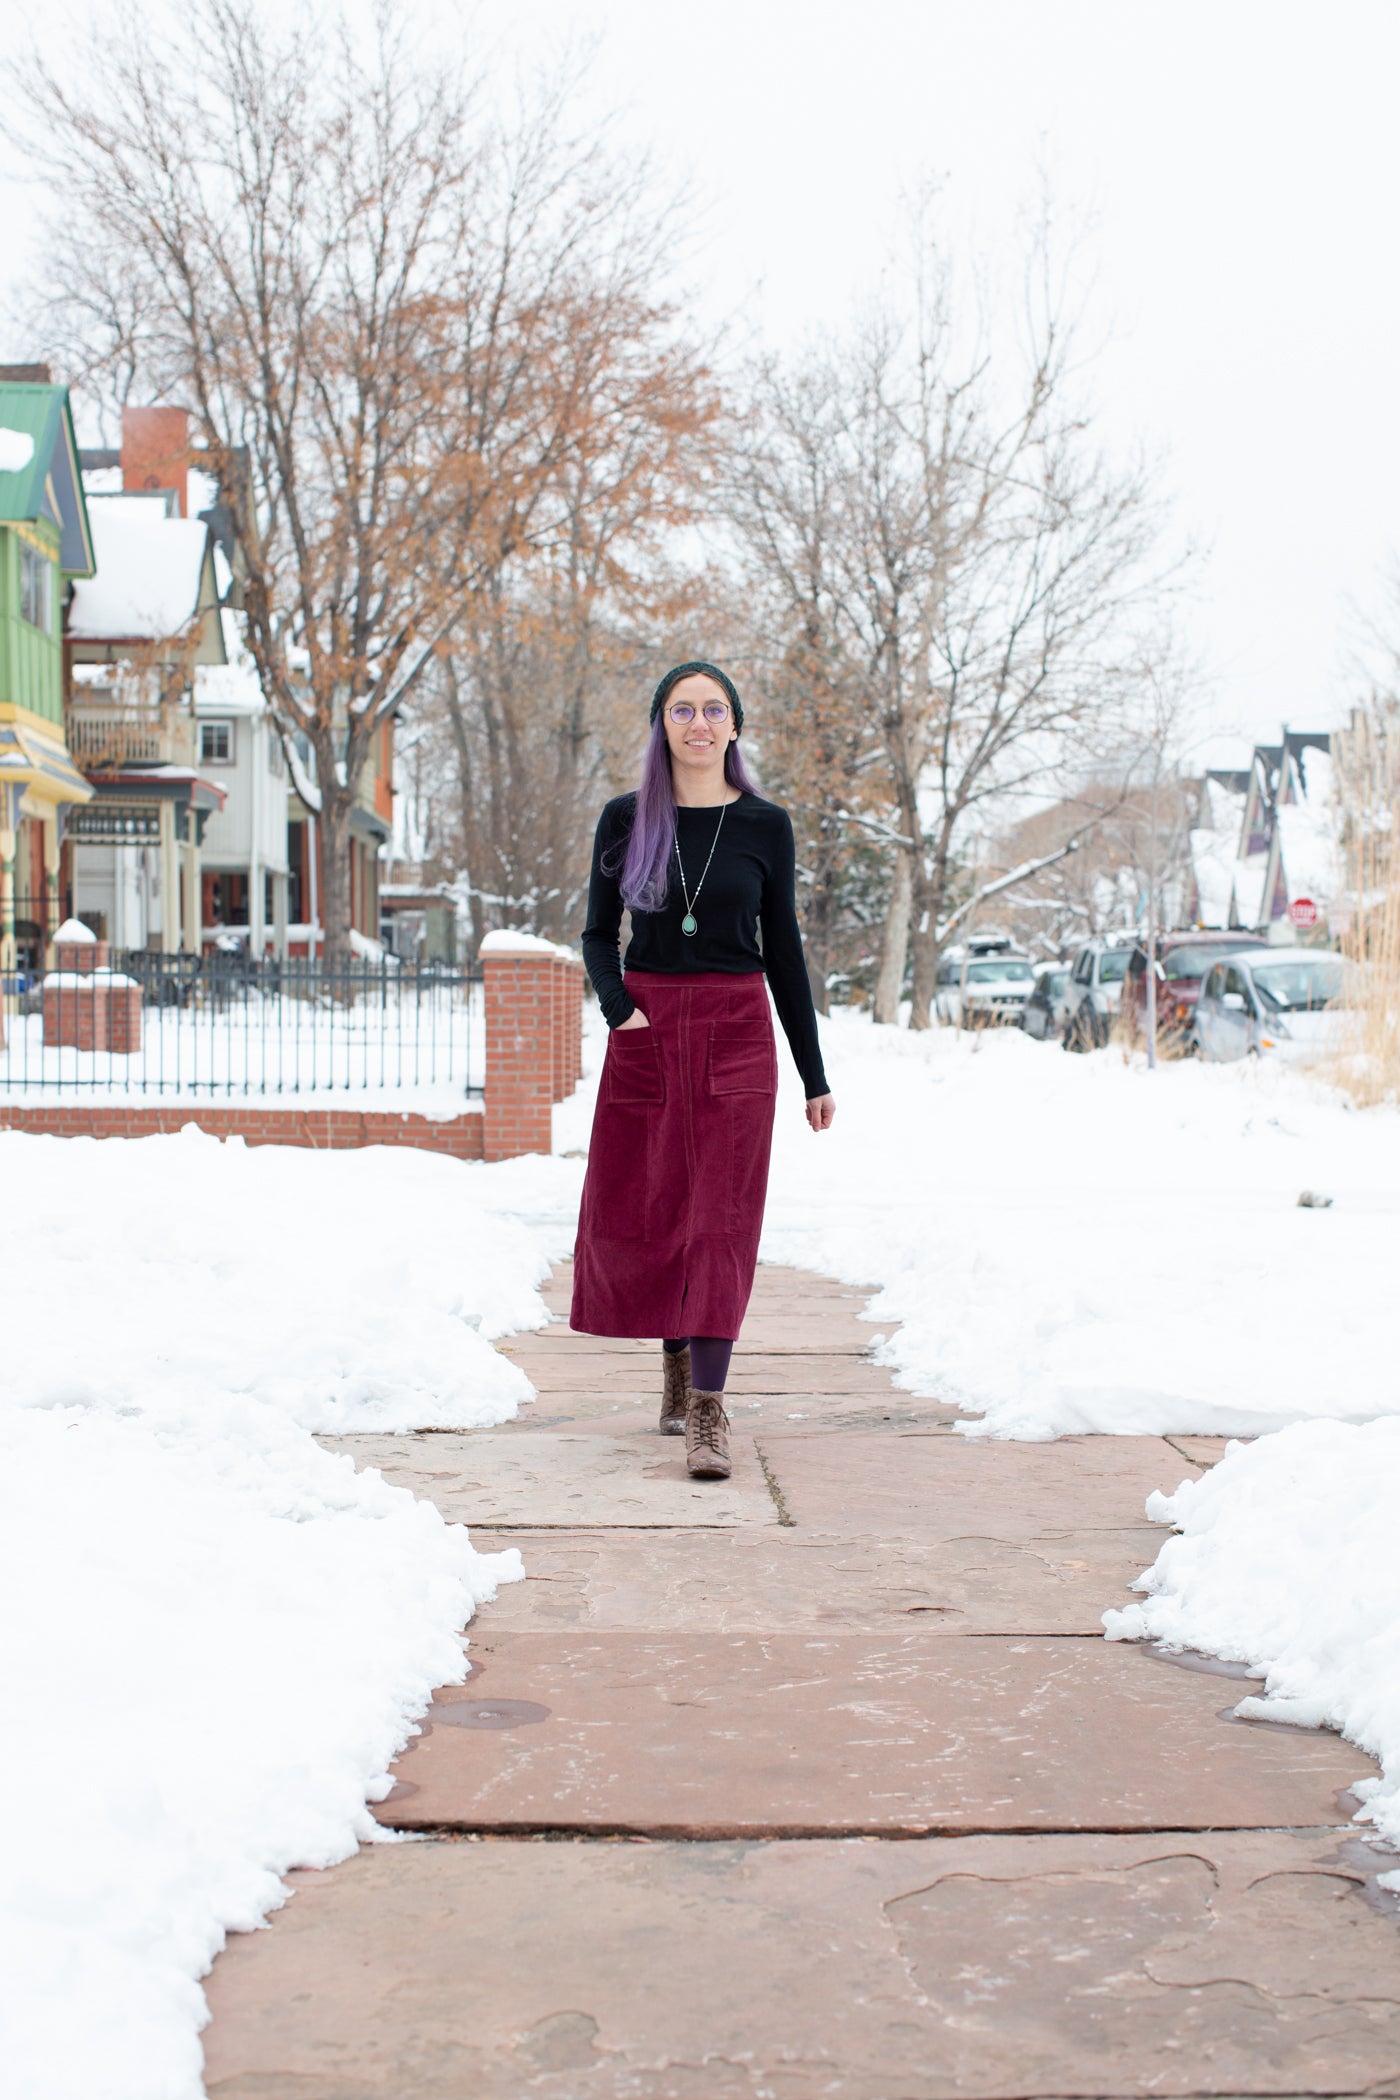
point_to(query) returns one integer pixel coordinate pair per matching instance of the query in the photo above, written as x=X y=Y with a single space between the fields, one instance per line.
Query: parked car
x=1182 y=962
x=1094 y=990
x=981 y=991
x=1044 y=1013
x=1274 y=1002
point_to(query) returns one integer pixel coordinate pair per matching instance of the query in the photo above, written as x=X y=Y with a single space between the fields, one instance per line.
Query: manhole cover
x=488 y=1713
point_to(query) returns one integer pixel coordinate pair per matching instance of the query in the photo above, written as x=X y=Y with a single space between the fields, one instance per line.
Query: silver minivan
x=1273 y=1002
x=1095 y=990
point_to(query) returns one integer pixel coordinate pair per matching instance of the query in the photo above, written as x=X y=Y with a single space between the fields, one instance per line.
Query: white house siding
x=248 y=836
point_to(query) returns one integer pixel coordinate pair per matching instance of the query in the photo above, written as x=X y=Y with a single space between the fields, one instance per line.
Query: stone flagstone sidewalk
x=820 y=1782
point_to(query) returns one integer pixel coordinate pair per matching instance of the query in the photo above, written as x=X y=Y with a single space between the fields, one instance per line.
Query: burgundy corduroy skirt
x=678 y=1160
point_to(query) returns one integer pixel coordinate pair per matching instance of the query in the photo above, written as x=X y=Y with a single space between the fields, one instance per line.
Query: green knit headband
x=658 y=698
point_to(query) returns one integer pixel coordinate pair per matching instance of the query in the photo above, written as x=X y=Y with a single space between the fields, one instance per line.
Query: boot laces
x=710 y=1421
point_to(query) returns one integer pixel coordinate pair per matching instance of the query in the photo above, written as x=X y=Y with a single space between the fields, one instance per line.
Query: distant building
x=136 y=634
x=418 y=914
x=1270 y=843
x=144 y=785
x=45 y=548
x=244 y=880
x=371 y=828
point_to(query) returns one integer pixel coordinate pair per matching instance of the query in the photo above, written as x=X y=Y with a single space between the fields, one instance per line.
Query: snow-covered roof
x=149 y=568
x=1249 y=889
x=16 y=449
x=1310 y=850
x=1225 y=809
x=1213 y=865
x=228 y=689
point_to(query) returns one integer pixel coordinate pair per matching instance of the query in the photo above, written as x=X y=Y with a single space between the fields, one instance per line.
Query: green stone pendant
x=688 y=923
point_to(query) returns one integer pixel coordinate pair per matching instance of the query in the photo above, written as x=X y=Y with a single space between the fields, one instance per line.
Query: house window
x=216 y=743
x=35 y=588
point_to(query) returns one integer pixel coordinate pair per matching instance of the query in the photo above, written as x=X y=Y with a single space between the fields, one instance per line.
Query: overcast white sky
x=1233 y=163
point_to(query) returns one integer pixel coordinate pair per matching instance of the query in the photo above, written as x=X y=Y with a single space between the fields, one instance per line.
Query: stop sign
x=1303 y=912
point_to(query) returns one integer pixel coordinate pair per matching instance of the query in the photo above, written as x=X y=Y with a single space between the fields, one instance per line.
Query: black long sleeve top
x=746 y=911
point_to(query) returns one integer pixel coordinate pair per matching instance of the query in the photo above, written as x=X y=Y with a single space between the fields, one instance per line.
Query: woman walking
x=678 y=1161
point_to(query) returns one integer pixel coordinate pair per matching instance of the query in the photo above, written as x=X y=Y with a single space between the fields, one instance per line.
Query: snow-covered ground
x=1076 y=1243
x=218 y=1634
x=223 y=1633
x=1288 y=1560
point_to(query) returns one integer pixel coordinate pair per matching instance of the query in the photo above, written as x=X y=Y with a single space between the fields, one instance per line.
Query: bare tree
x=977 y=576
x=786 y=491
x=364 y=290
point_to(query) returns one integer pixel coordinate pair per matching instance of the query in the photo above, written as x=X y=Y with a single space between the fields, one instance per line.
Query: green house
x=45 y=542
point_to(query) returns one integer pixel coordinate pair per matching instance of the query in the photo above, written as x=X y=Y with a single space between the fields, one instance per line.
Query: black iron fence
x=223 y=1023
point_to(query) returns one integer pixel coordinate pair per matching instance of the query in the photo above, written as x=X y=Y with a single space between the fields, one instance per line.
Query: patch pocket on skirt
x=634 y=1072
x=743 y=1060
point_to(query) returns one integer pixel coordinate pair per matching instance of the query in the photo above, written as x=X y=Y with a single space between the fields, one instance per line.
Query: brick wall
x=323 y=1130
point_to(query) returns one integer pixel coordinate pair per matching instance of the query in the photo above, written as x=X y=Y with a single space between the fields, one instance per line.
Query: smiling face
x=698 y=746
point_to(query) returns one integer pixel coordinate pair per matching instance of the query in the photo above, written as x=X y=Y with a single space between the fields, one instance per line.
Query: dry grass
x=1367 y=1065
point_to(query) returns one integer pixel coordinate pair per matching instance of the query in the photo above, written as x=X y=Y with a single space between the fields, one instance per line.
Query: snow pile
x=1077 y=1244
x=1289 y=1561
x=218 y=1633
x=214 y=1645
x=349 y=1290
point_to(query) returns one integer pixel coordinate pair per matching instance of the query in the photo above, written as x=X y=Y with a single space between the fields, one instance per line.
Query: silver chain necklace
x=689 y=924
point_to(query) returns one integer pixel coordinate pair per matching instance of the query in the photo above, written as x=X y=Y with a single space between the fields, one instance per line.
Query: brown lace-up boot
x=675 y=1391
x=706 y=1440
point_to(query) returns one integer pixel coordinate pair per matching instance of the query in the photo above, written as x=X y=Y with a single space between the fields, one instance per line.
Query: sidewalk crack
x=785 y=1515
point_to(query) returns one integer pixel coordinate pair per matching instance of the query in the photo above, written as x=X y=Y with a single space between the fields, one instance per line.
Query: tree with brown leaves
x=372 y=295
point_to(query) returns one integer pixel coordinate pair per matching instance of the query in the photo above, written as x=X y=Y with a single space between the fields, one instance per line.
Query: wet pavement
x=820 y=1782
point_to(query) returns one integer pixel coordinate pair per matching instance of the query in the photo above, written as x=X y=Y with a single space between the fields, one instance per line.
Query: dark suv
x=1182 y=962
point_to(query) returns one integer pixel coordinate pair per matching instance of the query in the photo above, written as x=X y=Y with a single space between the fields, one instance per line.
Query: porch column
x=169 y=881
x=192 y=912
x=9 y=842
x=51 y=910
x=279 y=917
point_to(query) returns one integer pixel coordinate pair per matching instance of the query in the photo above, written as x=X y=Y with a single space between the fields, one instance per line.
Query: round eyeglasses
x=713 y=711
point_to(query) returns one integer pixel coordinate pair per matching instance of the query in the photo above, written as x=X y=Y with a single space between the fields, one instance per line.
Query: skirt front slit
x=677 y=1174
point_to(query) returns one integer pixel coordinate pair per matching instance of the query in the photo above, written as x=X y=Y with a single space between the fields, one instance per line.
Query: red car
x=1182 y=962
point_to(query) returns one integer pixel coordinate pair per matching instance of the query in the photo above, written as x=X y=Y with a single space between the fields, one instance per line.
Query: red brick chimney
x=156 y=451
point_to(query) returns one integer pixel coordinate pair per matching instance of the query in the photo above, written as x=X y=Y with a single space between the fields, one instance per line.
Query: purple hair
x=646 y=864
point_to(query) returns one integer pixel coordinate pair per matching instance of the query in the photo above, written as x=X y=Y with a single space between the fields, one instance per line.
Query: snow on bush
x=1288 y=1560
x=1078 y=1244
x=218 y=1634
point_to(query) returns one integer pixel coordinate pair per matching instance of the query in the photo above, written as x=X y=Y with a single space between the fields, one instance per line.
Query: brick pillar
x=568 y=1024
x=560 y=989
x=81 y=958
x=519 y=974
x=75 y=1012
x=576 y=1024
x=124 y=1016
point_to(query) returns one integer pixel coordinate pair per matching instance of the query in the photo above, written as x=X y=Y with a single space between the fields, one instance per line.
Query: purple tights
x=709 y=1360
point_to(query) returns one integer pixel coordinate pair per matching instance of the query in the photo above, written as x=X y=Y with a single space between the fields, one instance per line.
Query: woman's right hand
x=636 y=1019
